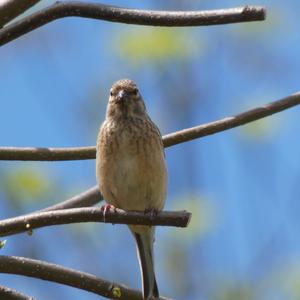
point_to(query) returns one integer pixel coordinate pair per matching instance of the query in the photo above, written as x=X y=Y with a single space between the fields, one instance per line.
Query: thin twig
x=251 y=115
x=10 y=9
x=55 y=273
x=185 y=135
x=130 y=16
x=91 y=214
x=11 y=294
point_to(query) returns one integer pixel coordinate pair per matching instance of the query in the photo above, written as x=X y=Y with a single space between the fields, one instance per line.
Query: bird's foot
x=151 y=211
x=107 y=207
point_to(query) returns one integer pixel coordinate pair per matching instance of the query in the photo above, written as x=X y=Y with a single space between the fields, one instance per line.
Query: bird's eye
x=111 y=93
x=135 y=92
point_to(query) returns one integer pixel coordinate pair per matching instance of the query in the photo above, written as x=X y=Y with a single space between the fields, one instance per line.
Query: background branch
x=231 y=122
x=46 y=154
x=91 y=214
x=10 y=9
x=87 y=198
x=55 y=273
x=10 y=294
x=130 y=16
x=51 y=154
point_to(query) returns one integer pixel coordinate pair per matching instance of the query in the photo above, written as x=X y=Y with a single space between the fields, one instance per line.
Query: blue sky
x=241 y=185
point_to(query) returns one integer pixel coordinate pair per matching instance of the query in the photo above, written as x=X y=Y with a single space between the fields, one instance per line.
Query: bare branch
x=42 y=154
x=91 y=214
x=10 y=294
x=231 y=122
x=55 y=273
x=185 y=135
x=10 y=9
x=129 y=16
x=87 y=198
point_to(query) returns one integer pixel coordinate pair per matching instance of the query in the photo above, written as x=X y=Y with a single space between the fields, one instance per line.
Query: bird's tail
x=144 y=240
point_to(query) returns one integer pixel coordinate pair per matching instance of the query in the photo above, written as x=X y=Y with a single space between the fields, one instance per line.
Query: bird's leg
x=107 y=207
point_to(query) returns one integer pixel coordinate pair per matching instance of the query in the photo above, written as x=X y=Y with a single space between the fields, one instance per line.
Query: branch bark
x=129 y=16
x=91 y=214
x=55 y=273
x=182 y=136
x=11 y=294
x=46 y=154
x=10 y=9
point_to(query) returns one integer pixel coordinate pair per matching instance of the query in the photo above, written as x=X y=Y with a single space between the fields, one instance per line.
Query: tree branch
x=46 y=154
x=10 y=9
x=129 y=16
x=10 y=294
x=251 y=115
x=185 y=135
x=91 y=214
x=87 y=198
x=55 y=273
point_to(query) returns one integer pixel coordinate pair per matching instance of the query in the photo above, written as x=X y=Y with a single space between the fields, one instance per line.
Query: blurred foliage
x=233 y=291
x=260 y=130
x=288 y=277
x=30 y=183
x=177 y=244
x=158 y=45
x=177 y=267
x=203 y=217
x=258 y=29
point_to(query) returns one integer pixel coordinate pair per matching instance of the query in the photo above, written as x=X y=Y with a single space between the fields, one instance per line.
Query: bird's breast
x=131 y=170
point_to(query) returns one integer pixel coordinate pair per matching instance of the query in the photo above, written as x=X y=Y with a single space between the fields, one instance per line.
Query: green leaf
x=2 y=244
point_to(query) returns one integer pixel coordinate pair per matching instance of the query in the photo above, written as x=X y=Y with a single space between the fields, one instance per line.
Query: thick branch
x=10 y=9
x=55 y=273
x=10 y=294
x=130 y=16
x=91 y=214
x=51 y=154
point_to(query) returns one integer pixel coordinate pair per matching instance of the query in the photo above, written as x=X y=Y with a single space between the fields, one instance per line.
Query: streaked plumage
x=130 y=168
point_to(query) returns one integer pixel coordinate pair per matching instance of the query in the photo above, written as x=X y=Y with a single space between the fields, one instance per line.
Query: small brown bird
x=131 y=170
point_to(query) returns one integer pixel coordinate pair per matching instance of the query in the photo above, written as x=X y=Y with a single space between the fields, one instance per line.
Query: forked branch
x=87 y=198
x=10 y=9
x=129 y=16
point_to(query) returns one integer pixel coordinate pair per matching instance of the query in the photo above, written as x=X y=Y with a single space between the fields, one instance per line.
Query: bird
x=131 y=169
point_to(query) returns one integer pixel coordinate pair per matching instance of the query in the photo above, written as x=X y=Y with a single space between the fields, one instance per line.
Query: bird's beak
x=121 y=96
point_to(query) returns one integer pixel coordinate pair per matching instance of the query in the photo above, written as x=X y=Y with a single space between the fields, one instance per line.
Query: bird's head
x=125 y=100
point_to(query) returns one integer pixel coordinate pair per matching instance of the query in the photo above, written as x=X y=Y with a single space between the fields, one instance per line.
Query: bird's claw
x=107 y=207
x=151 y=211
